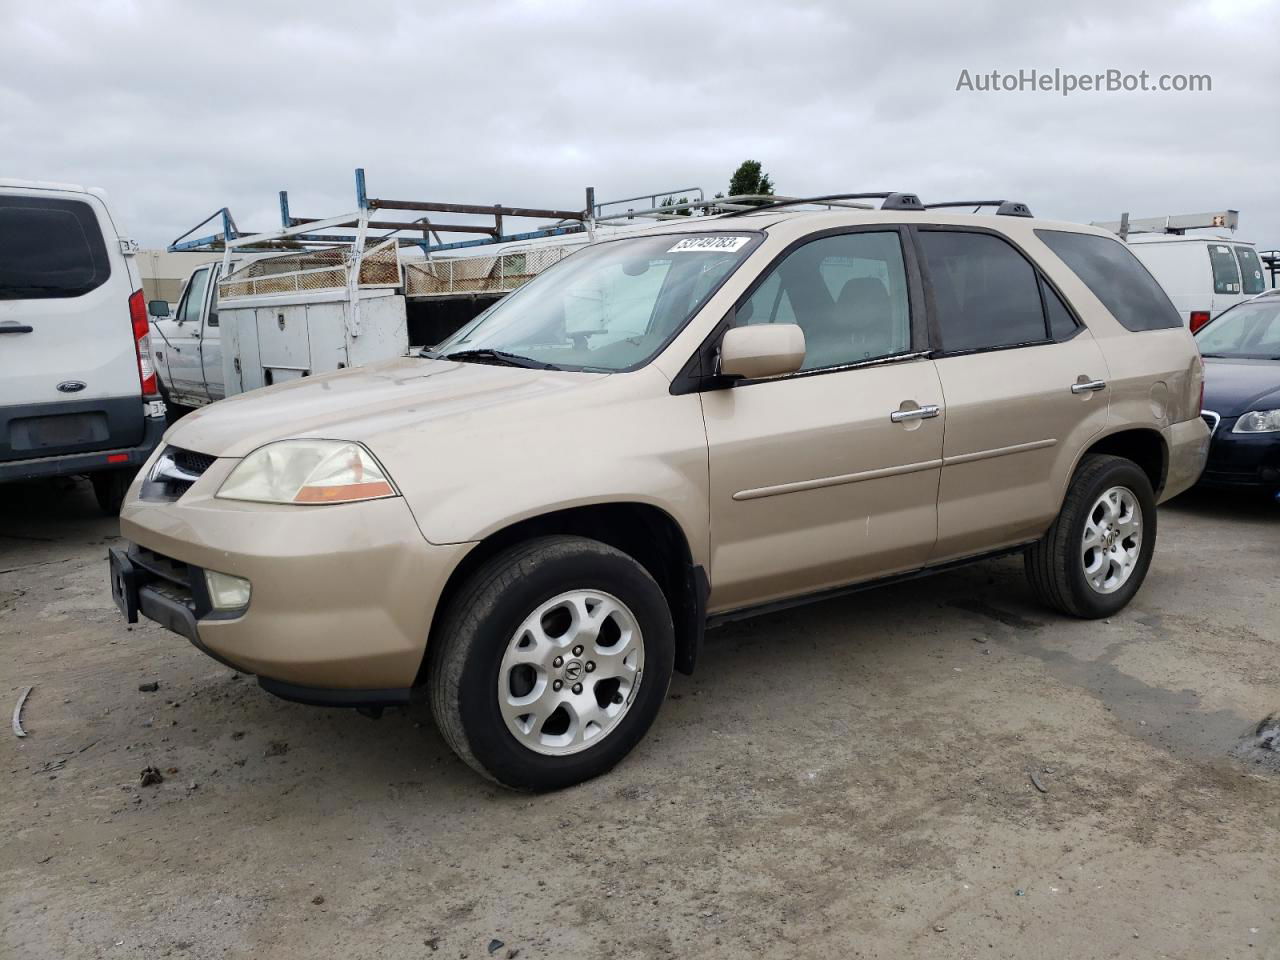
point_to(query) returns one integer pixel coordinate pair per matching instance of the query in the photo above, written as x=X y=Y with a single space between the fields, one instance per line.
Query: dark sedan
x=1241 y=350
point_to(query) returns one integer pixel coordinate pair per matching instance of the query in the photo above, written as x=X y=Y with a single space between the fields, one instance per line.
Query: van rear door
x=68 y=367
x=1226 y=277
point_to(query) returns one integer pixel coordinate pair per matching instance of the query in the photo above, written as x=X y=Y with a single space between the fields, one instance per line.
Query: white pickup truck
x=186 y=342
x=321 y=302
x=257 y=320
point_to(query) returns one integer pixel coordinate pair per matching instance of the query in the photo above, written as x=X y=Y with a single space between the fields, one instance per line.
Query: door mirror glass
x=762 y=350
x=158 y=308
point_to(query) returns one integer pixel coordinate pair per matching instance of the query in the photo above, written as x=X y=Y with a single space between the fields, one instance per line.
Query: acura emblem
x=71 y=386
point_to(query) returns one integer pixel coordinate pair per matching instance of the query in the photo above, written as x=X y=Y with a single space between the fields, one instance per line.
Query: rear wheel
x=109 y=488
x=1096 y=555
x=551 y=662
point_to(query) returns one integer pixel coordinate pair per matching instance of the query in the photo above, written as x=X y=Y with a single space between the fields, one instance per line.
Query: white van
x=1202 y=275
x=78 y=391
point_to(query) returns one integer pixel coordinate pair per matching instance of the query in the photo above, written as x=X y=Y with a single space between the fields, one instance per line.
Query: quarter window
x=847 y=292
x=986 y=293
x=1116 y=277
x=1062 y=325
x=1226 y=271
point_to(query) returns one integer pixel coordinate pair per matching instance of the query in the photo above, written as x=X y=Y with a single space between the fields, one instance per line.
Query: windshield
x=1251 y=330
x=610 y=307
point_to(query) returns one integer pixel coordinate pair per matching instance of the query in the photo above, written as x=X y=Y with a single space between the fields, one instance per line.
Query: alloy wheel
x=570 y=672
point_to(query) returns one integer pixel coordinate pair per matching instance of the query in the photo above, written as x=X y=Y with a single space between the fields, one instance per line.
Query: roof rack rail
x=892 y=201
x=1004 y=208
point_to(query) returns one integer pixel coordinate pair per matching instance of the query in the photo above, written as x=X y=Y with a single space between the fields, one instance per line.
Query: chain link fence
x=500 y=273
x=309 y=270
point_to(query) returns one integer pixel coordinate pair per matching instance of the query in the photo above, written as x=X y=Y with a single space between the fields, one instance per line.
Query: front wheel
x=551 y=662
x=1096 y=555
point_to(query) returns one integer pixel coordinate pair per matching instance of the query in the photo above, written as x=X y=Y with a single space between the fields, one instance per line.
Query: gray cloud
x=179 y=108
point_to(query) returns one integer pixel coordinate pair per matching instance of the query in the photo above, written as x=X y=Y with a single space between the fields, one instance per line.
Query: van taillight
x=1198 y=319
x=142 y=342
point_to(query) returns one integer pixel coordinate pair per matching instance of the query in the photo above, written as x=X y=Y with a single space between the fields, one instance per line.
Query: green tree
x=671 y=201
x=749 y=178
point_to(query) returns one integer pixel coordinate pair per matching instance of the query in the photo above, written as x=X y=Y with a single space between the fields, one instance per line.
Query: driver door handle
x=928 y=411
x=1089 y=386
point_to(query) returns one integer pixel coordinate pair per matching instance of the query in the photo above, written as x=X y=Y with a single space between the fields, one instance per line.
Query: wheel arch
x=1145 y=446
x=643 y=531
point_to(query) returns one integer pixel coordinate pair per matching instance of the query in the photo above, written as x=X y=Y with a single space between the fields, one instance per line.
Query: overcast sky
x=180 y=108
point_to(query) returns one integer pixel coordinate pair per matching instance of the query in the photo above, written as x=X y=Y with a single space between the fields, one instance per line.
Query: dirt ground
x=851 y=779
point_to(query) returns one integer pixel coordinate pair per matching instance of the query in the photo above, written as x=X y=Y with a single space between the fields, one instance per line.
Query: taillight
x=142 y=342
x=1198 y=319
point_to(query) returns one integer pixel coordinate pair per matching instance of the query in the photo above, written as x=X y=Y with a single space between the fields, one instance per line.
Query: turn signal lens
x=308 y=472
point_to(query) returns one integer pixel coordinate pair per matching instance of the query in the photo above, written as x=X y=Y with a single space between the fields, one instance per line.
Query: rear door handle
x=1089 y=386
x=16 y=328
x=928 y=411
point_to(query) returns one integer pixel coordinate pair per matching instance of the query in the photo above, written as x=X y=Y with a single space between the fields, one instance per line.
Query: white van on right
x=1203 y=276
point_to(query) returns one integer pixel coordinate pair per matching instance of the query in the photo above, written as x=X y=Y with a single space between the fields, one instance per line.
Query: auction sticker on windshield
x=699 y=244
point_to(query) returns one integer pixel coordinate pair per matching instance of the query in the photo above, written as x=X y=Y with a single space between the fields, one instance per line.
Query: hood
x=1236 y=386
x=365 y=402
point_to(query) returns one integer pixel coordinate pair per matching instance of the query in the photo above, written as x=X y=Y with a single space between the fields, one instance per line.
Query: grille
x=1212 y=419
x=175 y=473
x=190 y=461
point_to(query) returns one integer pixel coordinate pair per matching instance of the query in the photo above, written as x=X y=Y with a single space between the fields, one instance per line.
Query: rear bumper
x=111 y=458
x=1188 y=445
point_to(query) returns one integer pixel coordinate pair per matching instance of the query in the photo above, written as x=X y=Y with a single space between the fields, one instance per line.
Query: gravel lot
x=852 y=779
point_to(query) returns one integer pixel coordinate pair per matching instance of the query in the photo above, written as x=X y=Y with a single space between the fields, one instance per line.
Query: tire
x=173 y=412
x=109 y=488
x=1056 y=565
x=473 y=673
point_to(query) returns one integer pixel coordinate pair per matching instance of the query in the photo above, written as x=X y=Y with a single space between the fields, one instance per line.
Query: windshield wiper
x=499 y=357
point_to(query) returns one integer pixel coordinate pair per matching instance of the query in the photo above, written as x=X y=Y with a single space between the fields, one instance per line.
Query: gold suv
x=533 y=523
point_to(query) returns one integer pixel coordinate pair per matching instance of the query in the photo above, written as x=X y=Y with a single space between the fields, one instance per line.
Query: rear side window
x=1226 y=272
x=49 y=248
x=986 y=293
x=1250 y=270
x=1116 y=277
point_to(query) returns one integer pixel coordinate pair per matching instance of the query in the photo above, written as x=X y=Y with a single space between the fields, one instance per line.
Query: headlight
x=1258 y=421
x=308 y=471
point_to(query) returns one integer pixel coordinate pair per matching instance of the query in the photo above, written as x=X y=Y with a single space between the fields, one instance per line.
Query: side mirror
x=762 y=350
x=158 y=308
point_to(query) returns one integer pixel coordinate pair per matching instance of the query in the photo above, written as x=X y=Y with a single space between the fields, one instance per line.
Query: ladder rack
x=1175 y=224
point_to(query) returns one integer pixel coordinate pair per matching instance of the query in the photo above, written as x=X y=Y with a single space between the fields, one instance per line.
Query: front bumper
x=342 y=595
x=1242 y=459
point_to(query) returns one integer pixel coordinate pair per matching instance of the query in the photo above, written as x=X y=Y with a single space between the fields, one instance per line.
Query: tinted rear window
x=986 y=293
x=49 y=248
x=1250 y=270
x=1226 y=272
x=1116 y=277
